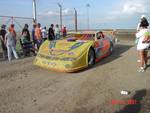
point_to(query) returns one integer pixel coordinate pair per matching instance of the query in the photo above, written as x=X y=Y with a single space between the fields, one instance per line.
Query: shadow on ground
x=141 y=96
x=117 y=53
x=119 y=49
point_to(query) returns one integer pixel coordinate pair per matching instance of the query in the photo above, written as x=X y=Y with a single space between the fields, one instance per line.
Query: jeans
x=11 y=49
x=4 y=49
x=57 y=36
x=39 y=42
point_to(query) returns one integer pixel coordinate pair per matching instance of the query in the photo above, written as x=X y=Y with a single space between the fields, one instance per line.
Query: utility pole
x=34 y=11
x=76 y=20
x=12 y=20
x=88 y=20
x=60 y=6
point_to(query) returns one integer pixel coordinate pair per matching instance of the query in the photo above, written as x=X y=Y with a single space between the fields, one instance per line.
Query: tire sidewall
x=91 y=57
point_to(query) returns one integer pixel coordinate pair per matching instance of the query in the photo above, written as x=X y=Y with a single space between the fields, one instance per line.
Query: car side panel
x=101 y=48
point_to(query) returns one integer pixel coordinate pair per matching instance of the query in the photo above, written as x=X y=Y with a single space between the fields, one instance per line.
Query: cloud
x=65 y=12
x=135 y=6
x=129 y=8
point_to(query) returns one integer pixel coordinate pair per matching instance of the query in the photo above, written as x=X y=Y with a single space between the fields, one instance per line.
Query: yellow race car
x=79 y=50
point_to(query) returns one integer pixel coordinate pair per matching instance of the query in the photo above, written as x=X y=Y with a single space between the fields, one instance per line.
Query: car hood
x=63 y=49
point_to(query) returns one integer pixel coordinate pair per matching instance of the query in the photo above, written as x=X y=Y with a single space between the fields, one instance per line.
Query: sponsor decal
x=56 y=58
x=76 y=45
x=49 y=63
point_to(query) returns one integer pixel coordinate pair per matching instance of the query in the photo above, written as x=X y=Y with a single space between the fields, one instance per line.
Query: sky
x=116 y=14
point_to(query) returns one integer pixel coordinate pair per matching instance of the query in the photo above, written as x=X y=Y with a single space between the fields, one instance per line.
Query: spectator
x=57 y=32
x=33 y=34
x=143 y=22
x=10 y=44
x=51 y=34
x=44 y=34
x=24 y=38
x=64 y=31
x=38 y=35
x=141 y=47
x=12 y=30
x=2 y=39
x=26 y=44
x=25 y=29
x=143 y=18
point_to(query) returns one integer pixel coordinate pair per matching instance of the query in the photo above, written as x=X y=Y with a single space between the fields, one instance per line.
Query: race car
x=78 y=51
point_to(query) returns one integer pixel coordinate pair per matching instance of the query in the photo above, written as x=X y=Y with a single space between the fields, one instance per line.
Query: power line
x=16 y=17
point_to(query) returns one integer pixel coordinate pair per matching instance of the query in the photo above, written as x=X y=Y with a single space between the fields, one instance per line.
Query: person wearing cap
x=143 y=18
x=143 y=22
x=10 y=44
x=141 y=47
x=2 y=39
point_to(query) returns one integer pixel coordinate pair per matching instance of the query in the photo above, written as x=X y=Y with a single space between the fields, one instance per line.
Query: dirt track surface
x=25 y=88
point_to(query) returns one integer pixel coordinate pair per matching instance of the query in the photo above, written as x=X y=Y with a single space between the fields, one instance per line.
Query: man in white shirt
x=57 y=32
x=44 y=34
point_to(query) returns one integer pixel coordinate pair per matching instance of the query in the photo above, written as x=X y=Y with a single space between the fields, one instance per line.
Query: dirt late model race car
x=78 y=51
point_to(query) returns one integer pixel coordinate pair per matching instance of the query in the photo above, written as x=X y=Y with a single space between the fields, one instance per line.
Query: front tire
x=91 y=57
x=111 y=47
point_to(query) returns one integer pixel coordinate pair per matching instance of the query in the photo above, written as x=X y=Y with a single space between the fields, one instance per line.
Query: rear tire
x=91 y=57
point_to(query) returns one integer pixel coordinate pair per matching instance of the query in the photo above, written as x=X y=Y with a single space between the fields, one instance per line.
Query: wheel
x=111 y=47
x=91 y=57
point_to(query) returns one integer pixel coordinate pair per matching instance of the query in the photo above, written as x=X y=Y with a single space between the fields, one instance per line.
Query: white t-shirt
x=44 y=33
x=57 y=31
x=140 y=35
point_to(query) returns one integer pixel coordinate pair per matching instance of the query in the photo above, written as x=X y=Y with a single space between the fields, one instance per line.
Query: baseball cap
x=143 y=16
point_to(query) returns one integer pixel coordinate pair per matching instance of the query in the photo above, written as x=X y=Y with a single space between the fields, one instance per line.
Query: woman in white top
x=141 y=46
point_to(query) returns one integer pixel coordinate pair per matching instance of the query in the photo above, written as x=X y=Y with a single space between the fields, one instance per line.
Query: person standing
x=12 y=30
x=64 y=31
x=57 y=32
x=2 y=39
x=143 y=18
x=44 y=34
x=143 y=22
x=141 y=47
x=51 y=34
x=33 y=35
x=10 y=44
x=38 y=35
x=25 y=29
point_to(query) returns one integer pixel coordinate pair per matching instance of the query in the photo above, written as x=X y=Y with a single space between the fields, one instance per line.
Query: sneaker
x=138 y=61
x=141 y=69
x=145 y=66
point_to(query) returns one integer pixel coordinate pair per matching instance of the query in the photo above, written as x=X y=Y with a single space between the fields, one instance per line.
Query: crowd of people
x=29 y=41
x=143 y=42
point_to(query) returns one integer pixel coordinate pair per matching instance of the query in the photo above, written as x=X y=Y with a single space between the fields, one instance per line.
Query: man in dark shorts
x=2 y=39
x=51 y=35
